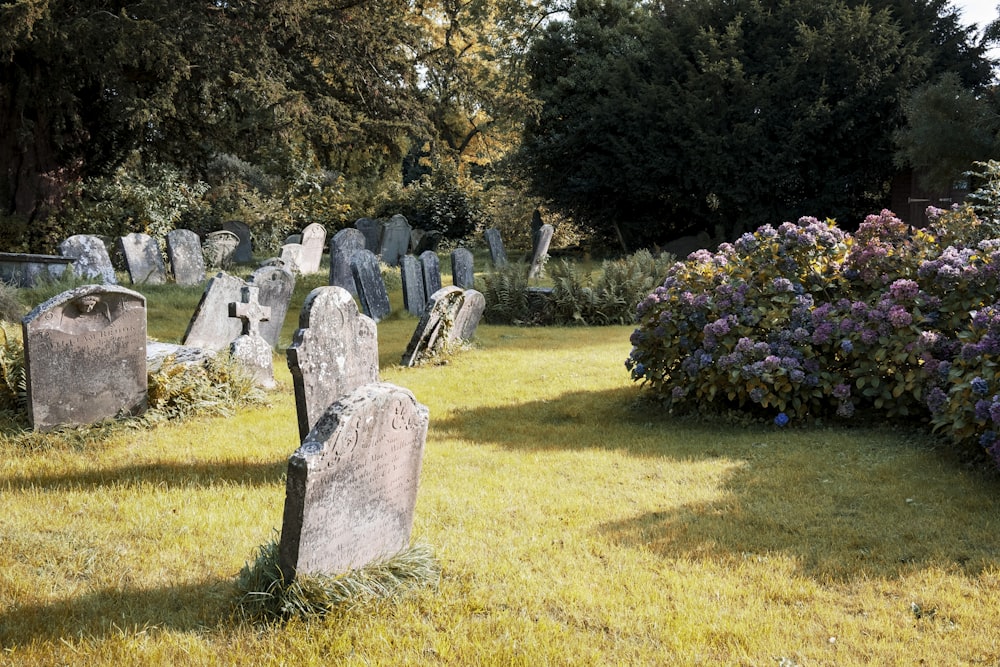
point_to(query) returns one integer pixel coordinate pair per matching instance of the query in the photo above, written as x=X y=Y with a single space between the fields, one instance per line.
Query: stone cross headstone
x=395 y=240
x=541 y=251
x=351 y=487
x=414 y=296
x=187 y=261
x=291 y=255
x=85 y=356
x=90 y=258
x=275 y=285
x=370 y=285
x=334 y=351
x=250 y=349
x=372 y=231
x=220 y=249
x=433 y=332
x=244 y=249
x=468 y=316
x=462 y=268
x=313 y=242
x=498 y=256
x=430 y=266
x=210 y=327
x=343 y=245
x=143 y=259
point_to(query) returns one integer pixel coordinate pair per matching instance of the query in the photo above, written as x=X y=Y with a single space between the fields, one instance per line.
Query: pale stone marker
x=90 y=258
x=430 y=267
x=541 y=250
x=351 y=488
x=334 y=351
x=372 y=231
x=434 y=329
x=294 y=238
x=276 y=285
x=291 y=256
x=220 y=249
x=187 y=261
x=468 y=316
x=370 y=285
x=143 y=259
x=462 y=268
x=244 y=250
x=250 y=349
x=395 y=240
x=210 y=327
x=85 y=356
x=414 y=296
x=313 y=242
x=343 y=245
x=497 y=253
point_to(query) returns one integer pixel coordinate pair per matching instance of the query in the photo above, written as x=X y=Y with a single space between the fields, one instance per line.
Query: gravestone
x=186 y=258
x=536 y=230
x=220 y=249
x=498 y=256
x=90 y=258
x=428 y=241
x=541 y=251
x=294 y=238
x=142 y=259
x=370 y=285
x=372 y=231
x=334 y=351
x=433 y=332
x=343 y=245
x=85 y=356
x=351 y=487
x=244 y=249
x=157 y=353
x=395 y=240
x=468 y=316
x=313 y=242
x=462 y=268
x=414 y=296
x=430 y=267
x=211 y=327
x=291 y=255
x=276 y=285
x=250 y=349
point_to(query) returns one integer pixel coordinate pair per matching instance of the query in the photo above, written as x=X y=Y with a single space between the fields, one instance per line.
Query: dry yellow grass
x=572 y=527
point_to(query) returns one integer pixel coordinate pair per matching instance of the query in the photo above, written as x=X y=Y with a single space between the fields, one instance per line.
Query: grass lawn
x=572 y=525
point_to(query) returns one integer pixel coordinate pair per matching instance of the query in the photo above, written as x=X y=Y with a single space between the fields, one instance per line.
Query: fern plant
x=506 y=295
x=14 y=385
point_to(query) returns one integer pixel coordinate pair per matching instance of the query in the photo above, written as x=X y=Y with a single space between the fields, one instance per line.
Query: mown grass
x=573 y=525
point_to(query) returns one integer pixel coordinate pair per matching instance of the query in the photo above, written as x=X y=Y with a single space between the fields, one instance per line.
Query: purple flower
x=781 y=419
x=899 y=317
x=980 y=387
x=936 y=399
x=842 y=391
x=847 y=346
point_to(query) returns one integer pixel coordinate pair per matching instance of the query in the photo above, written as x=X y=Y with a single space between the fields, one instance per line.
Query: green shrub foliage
x=805 y=321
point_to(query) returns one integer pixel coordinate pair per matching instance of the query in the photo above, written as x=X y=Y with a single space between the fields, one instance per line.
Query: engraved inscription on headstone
x=187 y=261
x=313 y=242
x=433 y=332
x=291 y=257
x=430 y=266
x=541 y=251
x=343 y=245
x=497 y=253
x=85 y=356
x=468 y=316
x=143 y=259
x=414 y=296
x=244 y=249
x=211 y=327
x=91 y=259
x=250 y=349
x=276 y=285
x=351 y=488
x=220 y=249
x=462 y=268
x=395 y=239
x=370 y=285
x=334 y=351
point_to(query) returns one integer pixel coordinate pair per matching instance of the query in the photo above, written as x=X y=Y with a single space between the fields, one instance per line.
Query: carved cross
x=249 y=310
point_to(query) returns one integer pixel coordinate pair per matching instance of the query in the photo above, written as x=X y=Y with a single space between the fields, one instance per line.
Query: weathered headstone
x=249 y=348
x=468 y=316
x=536 y=229
x=276 y=285
x=395 y=240
x=428 y=241
x=433 y=332
x=143 y=260
x=158 y=352
x=495 y=244
x=211 y=327
x=90 y=258
x=351 y=488
x=541 y=251
x=370 y=285
x=430 y=266
x=187 y=261
x=294 y=238
x=85 y=356
x=313 y=242
x=220 y=249
x=414 y=296
x=291 y=255
x=244 y=250
x=343 y=245
x=372 y=231
x=334 y=351
x=462 y=268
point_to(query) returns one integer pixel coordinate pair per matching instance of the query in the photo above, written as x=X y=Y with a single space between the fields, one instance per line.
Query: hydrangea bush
x=806 y=321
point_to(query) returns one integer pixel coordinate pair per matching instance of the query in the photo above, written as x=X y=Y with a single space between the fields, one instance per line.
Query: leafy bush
x=443 y=202
x=13 y=381
x=11 y=309
x=215 y=387
x=506 y=294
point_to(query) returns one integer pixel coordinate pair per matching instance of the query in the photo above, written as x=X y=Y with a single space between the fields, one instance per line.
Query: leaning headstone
x=187 y=261
x=244 y=250
x=536 y=230
x=462 y=268
x=210 y=327
x=433 y=332
x=313 y=242
x=395 y=240
x=430 y=266
x=334 y=351
x=250 y=349
x=90 y=258
x=414 y=296
x=372 y=230
x=220 y=249
x=343 y=245
x=276 y=285
x=498 y=256
x=143 y=260
x=351 y=488
x=541 y=251
x=468 y=316
x=291 y=255
x=85 y=356
x=370 y=285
